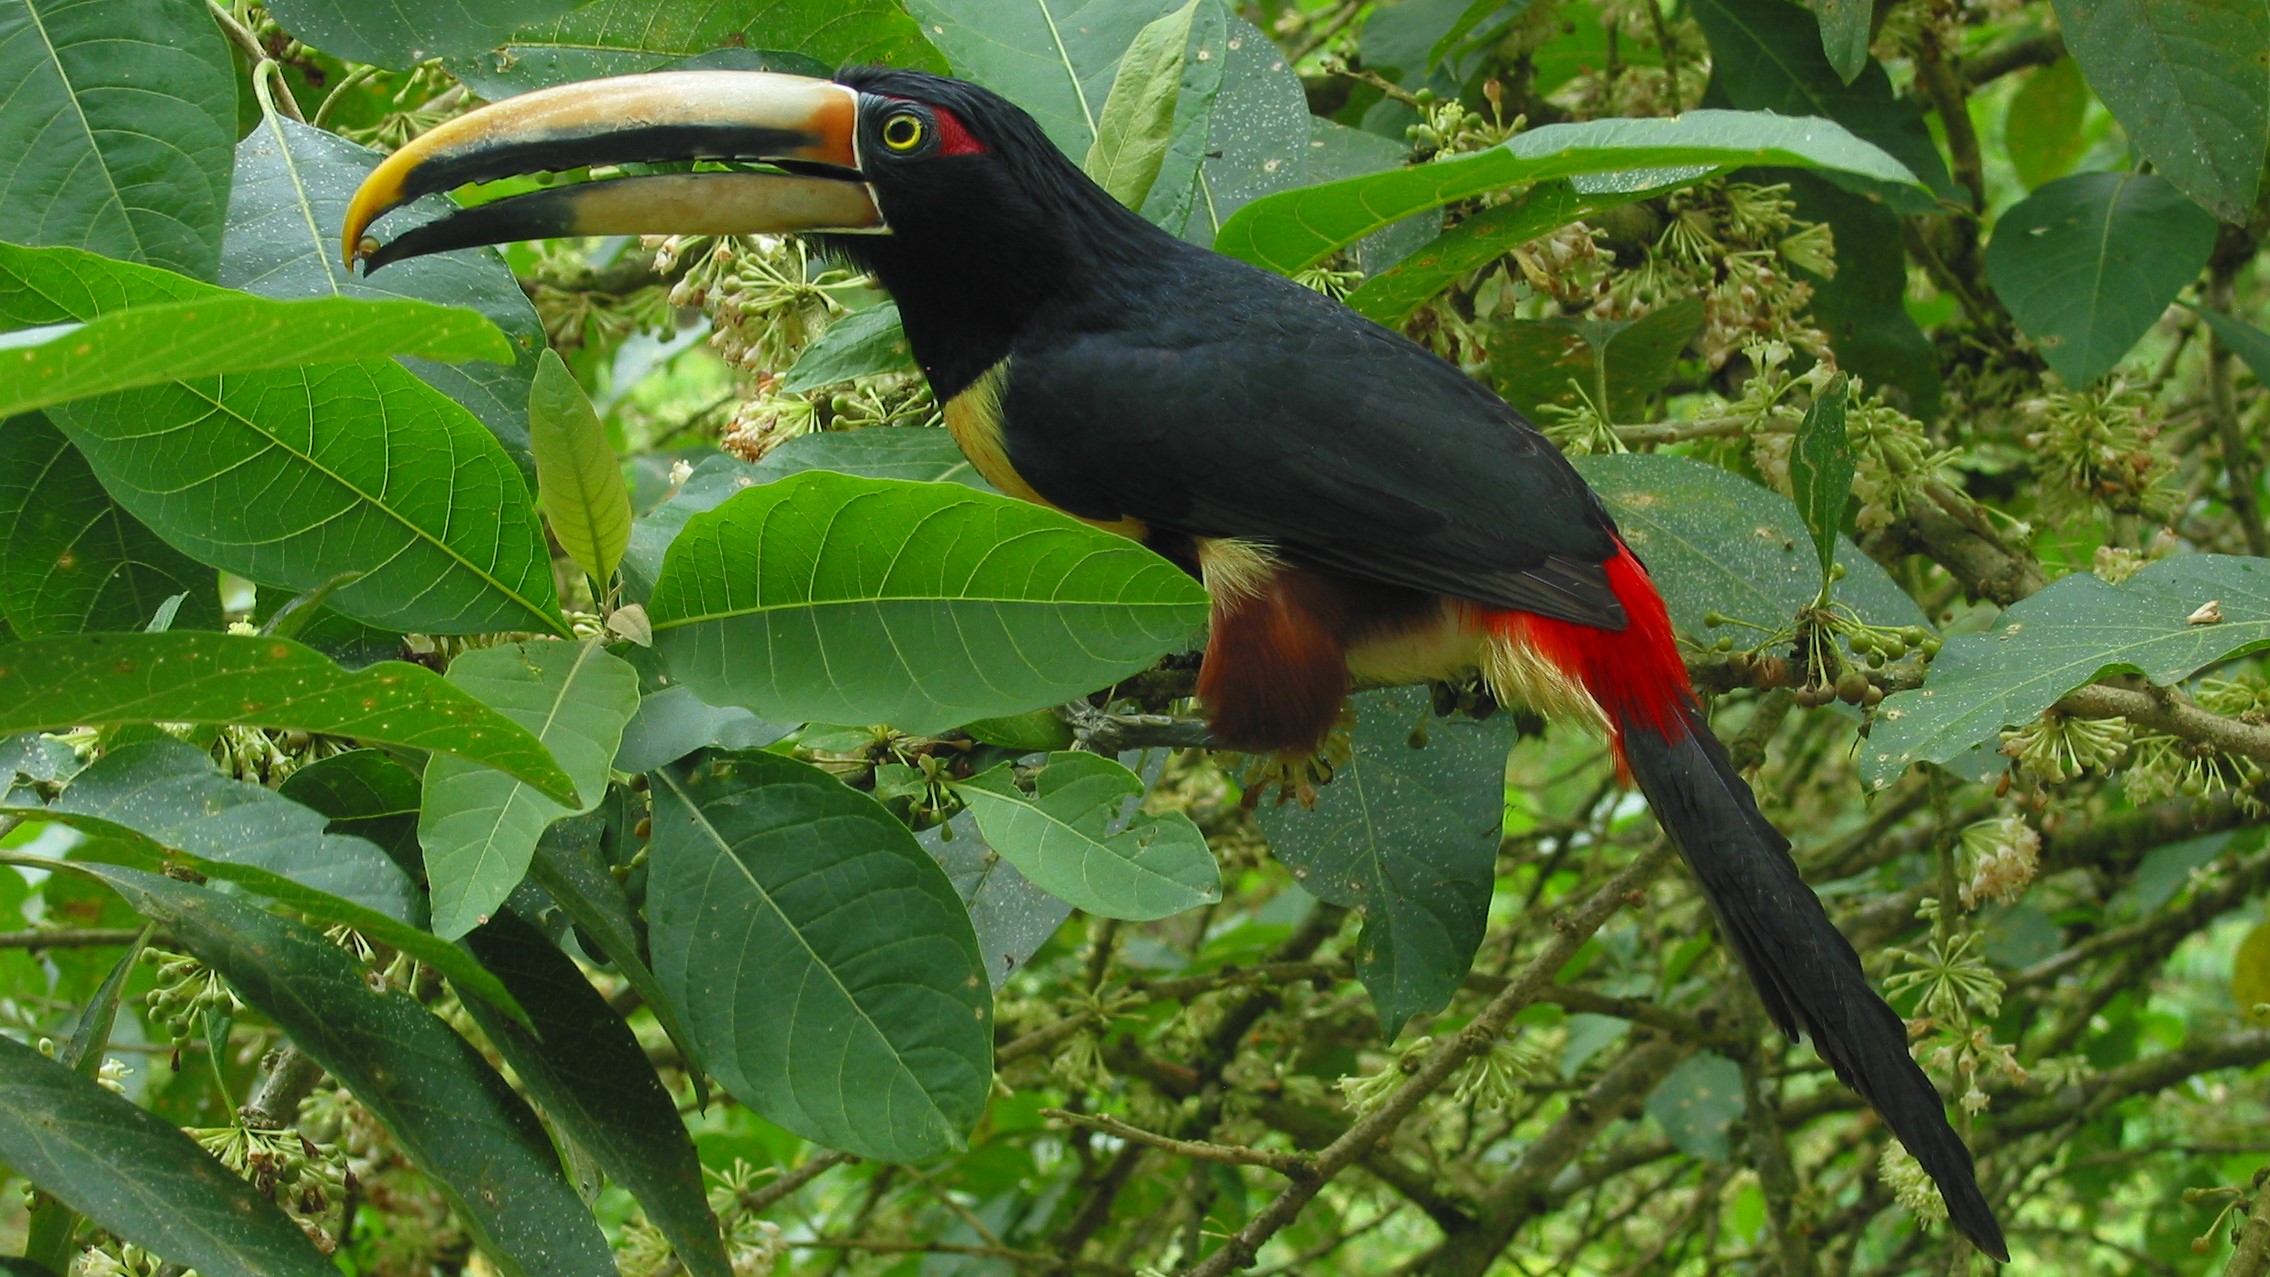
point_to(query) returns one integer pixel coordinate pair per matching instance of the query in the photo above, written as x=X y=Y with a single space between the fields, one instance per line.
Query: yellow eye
x=902 y=132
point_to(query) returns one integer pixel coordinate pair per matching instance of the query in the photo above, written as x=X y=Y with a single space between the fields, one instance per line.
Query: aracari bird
x=1355 y=505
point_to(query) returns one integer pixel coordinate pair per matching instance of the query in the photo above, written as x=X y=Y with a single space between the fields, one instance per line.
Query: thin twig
x=757 y=1200
x=263 y=66
x=71 y=938
x=1295 y=1165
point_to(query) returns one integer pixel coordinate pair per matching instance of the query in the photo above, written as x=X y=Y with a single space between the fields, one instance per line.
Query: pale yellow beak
x=757 y=116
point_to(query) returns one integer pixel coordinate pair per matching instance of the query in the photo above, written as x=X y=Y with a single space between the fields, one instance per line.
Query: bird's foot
x=1295 y=775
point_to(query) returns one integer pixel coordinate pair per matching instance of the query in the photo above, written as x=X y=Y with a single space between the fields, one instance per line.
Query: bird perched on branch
x=1355 y=506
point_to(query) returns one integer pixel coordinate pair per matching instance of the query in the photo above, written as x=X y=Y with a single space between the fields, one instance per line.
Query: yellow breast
x=973 y=418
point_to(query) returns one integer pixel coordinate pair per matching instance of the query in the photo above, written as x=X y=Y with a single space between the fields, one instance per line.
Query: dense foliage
x=477 y=804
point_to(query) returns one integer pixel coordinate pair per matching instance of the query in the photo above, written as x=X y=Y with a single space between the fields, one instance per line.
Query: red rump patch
x=954 y=137
x=1636 y=674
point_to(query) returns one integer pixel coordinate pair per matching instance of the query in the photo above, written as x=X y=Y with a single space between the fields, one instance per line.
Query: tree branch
x=1441 y=1063
x=1294 y=1165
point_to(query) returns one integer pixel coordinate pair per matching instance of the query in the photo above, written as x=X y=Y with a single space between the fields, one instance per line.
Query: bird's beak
x=807 y=129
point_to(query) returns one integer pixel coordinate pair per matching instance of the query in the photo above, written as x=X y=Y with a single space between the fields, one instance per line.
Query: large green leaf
x=228 y=332
x=860 y=344
x=2088 y=263
x=619 y=37
x=294 y=476
x=1060 y=58
x=2188 y=82
x=2074 y=632
x=1766 y=55
x=479 y=826
x=1409 y=837
x=822 y=960
x=1255 y=140
x=170 y=792
x=1136 y=125
x=1863 y=306
x=1391 y=295
x=828 y=598
x=592 y=1078
x=367 y=794
x=672 y=722
x=459 y=1122
x=571 y=866
x=52 y=1225
x=1844 y=34
x=1617 y=364
x=293 y=185
x=1714 y=541
x=578 y=480
x=117 y=129
x=187 y=677
x=2042 y=130
x=1820 y=471
x=400 y=34
x=161 y=805
x=70 y=559
x=1698 y=1104
x=1302 y=227
x=136 y=1174
x=1012 y=917
x=1060 y=834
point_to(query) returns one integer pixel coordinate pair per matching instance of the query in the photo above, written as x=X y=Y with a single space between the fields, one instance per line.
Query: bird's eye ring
x=903 y=132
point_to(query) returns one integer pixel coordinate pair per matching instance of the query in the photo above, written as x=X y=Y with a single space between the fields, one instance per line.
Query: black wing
x=1246 y=406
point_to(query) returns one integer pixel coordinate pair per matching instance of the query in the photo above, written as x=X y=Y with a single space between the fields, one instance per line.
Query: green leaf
x=70 y=559
x=1038 y=729
x=1863 y=307
x=229 y=332
x=591 y=1076
x=2188 y=82
x=48 y=1233
x=1262 y=143
x=579 y=482
x=137 y=1175
x=571 y=868
x=293 y=185
x=824 y=964
x=170 y=793
x=1012 y=917
x=1767 y=56
x=2069 y=635
x=828 y=598
x=187 y=677
x=621 y=37
x=1054 y=58
x=458 y=1121
x=1698 y=1105
x=1300 y=228
x=2243 y=339
x=1391 y=295
x=1618 y=364
x=139 y=837
x=1059 y=833
x=673 y=722
x=1820 y=472
x=479 y=826
x=1844 y=35
x=400 y=34
x=1409 y=838
x=860 y=344
x=2088 y=263
x=2042 y=130
x=1468 y=19
x=1714 y=541
x=291 y=476
x=1137 y=121
x=117 y=130
x=367 y=794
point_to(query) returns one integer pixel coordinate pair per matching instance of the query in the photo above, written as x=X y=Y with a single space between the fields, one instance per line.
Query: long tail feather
x=1803 y=967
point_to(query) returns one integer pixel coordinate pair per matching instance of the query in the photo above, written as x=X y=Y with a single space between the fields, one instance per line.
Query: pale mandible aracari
x=1356 y=506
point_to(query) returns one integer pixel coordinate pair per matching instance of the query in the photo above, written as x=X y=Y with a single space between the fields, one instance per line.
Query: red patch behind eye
x=954 y=137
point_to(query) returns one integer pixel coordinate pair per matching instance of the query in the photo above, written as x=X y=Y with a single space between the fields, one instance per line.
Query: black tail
x=1803 y=967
